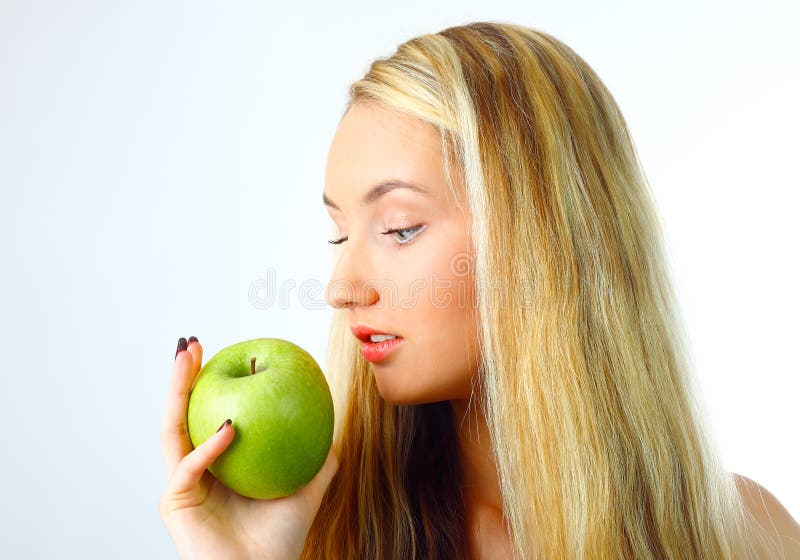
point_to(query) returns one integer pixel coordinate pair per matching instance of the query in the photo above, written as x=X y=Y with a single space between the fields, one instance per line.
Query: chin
x=404 y=393
x=393 y=392
x=398 y=397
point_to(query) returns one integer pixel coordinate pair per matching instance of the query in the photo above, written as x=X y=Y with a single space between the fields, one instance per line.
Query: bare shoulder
x=771 y=514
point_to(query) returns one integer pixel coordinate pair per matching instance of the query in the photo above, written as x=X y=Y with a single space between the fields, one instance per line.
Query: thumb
x=185 y=480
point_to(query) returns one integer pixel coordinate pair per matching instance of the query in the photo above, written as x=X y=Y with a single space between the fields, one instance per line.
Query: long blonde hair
x=601 y=445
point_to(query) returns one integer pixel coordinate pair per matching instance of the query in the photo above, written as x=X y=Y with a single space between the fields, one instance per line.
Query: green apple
x=282 y=413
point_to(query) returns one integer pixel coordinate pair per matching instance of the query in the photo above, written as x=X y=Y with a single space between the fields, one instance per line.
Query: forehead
x=373 y=143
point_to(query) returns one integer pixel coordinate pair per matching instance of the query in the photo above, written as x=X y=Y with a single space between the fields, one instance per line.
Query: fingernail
x=225 y=423
x=193 y=339
x=182 y=344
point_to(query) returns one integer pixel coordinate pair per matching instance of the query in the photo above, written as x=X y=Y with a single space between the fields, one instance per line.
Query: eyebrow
x=377 y=191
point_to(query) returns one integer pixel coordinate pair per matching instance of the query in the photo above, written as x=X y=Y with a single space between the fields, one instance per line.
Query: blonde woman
x=536 y=400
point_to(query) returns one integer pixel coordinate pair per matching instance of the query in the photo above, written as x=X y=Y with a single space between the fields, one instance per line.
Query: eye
x=404 y=233
x=405 y=239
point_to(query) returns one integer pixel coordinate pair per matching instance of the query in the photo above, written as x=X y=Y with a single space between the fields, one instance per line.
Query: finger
x=188 y=472
x=175 y=441
x=196 y=351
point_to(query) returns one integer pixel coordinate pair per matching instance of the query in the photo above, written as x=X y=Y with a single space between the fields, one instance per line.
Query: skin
x=433 y=309
x=372 y=145
x=771 y=515
x=206 y=520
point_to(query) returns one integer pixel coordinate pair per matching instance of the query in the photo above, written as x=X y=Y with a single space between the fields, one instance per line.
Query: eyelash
x=388 y=232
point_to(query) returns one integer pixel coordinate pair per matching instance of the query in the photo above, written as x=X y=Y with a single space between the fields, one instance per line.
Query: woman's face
x=416 y=284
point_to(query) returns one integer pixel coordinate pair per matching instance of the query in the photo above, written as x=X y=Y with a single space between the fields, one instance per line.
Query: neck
x=478 y=468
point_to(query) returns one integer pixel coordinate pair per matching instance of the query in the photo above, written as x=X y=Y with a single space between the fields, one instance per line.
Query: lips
x=378 y=351
x=363 y=332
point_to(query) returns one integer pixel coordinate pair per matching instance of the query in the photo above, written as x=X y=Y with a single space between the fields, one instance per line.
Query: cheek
x=451 y=291
x=445 y=316
x=437 y=311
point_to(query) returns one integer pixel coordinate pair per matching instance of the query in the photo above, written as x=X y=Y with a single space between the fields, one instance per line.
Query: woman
x=536 y=401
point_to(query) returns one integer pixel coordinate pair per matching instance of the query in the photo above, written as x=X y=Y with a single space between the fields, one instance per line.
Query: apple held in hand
x=282 y=411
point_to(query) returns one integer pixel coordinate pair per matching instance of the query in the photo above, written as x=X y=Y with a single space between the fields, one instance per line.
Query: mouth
x=372 y=335
x=377 y=344
x=381 y=337
x=380 y=349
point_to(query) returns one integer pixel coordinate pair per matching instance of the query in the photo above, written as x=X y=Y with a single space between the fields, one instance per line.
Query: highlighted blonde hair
x=585 y=380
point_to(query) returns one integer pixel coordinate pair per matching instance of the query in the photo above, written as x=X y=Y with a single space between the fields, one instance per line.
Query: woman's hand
x=205 y=519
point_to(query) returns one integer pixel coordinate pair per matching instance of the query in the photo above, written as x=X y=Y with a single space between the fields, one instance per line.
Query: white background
x=159 y=158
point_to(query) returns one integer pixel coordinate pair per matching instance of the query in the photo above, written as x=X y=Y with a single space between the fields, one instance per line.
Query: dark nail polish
x=182 y=344
x=193 y=339
x=227 y=422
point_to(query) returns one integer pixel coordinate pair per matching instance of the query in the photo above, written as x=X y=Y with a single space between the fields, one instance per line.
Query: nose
x=349 y=285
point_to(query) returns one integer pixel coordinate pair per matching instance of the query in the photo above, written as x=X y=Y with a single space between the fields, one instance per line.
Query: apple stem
x=252 y=366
